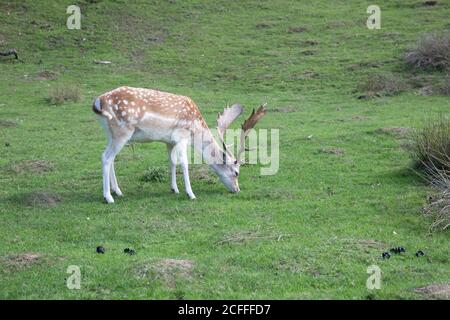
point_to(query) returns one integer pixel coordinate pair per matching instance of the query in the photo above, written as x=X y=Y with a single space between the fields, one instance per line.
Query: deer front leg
x=173 y=168
x=113 y=148
x=182 y=156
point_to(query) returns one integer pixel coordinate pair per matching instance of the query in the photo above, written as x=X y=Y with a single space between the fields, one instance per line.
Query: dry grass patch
x=284 y=109
x=167 y=270
x=398 y=132
x=432 y=51
x=20 y=261
x=438 y=208
x=360 y=118
x=64 y=93
x=431 y=150
x=32 y=167
x=382 y=85
x=333 y=151
x=44 y=199
x=298 y=29
x=46 y=75
x=7 y=123
x=435 y=291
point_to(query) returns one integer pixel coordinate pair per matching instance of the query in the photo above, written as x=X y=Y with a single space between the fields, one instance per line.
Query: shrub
x=431 y=151
x=444 y=88
x=439 y=209
x=432 y=51
x=382 y=84
x=157 y=174
x=63 y=93
x=431 y=155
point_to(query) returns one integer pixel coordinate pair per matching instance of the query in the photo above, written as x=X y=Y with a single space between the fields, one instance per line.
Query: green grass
x=308 y=232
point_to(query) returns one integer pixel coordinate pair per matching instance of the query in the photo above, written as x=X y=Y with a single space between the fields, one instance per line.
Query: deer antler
x=247 y=126
x=225 y=119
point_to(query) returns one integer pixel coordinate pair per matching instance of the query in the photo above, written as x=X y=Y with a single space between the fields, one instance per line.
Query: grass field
x=340 y=198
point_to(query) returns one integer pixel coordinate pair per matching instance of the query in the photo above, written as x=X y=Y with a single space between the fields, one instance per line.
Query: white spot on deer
x=125 y=102
x=124 y=113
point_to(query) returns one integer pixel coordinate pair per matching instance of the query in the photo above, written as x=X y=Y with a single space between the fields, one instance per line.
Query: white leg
x=106 y=169
x=182 y=156
x=173 y=168
x=108 y=157
x=113 y=180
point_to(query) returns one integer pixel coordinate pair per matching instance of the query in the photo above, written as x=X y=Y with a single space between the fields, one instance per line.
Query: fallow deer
x=135 y=114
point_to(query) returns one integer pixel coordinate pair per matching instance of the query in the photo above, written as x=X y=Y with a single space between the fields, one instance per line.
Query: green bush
x=157 y=174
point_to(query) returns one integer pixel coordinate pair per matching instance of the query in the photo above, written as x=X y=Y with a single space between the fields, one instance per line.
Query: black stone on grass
x=100 y=249
x=129 y=251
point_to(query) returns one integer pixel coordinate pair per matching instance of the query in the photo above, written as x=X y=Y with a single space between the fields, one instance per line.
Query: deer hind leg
x=113 y=179
x=109 y=178
x=173 y=167
x=183 y=158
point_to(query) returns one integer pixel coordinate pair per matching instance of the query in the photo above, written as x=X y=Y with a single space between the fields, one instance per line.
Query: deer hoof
x=175 y=190
x=109 y=199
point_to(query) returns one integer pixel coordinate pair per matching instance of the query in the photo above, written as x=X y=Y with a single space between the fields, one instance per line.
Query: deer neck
x=208 y=147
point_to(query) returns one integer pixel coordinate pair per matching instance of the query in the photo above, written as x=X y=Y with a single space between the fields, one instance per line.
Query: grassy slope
x=327 y=208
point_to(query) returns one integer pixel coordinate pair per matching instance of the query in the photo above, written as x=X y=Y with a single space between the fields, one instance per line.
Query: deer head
x=228 y=169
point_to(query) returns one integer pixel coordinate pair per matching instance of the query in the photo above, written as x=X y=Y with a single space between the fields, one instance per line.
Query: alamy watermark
x=374 y=20
x=374 y=280
x=74 y=280
x=74 y=20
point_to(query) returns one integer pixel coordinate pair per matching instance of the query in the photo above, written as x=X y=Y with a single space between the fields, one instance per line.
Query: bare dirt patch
x=360 y=118
x=167 y=270
x=264 y=25
x=20 y=260
x=333 y=151
x=298 y=29
x=44 y=199
x=284 y=109
x=46 y=75
x=398 y=132
x=307 y=53
x=310 y=42
x=7 y=123
x=430 y=3
x=435 y=291
x=32 y=167
x=304 y=75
